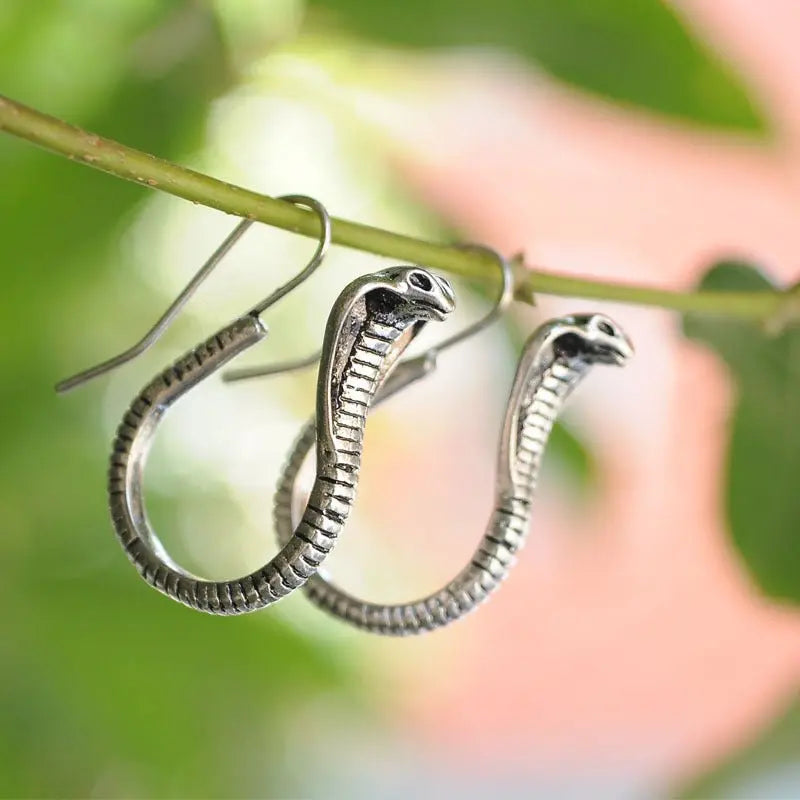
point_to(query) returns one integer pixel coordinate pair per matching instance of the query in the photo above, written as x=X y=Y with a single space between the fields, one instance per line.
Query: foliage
x=633 y=51
x=762 y=501
x=104 y=688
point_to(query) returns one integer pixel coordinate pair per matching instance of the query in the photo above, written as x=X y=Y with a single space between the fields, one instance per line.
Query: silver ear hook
x=501 y=304
x=243 y=373
x=157 y=331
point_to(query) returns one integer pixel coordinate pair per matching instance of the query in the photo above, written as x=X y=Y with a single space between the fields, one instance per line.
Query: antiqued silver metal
x=554 y=360
x=370 y=325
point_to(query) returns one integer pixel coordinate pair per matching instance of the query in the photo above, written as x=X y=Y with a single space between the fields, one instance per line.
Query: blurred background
x=647 y=644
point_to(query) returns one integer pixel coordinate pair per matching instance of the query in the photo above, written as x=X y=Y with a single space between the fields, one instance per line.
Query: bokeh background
x=647 y=644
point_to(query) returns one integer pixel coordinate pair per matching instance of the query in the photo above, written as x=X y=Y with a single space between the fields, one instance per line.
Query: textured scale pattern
x=331 y=497
x=536 y=408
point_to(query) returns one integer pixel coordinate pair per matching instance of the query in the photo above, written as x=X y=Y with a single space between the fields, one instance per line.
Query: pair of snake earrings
x=369 y=327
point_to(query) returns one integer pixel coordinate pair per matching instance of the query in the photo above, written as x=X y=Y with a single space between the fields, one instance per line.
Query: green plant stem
x=147 y=170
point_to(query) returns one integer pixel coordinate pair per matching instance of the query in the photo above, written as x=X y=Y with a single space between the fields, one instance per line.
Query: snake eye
x=604 y=327
x=421 y=281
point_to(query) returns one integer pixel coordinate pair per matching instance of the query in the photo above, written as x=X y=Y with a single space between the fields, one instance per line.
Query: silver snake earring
x=370 y=325
x=554 y=360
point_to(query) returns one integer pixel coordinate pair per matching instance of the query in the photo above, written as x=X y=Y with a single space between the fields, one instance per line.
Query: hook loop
x=166 y=319
x=501 y=304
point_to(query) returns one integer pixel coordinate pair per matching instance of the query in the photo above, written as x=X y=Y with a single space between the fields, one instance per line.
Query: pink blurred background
x=629 y=636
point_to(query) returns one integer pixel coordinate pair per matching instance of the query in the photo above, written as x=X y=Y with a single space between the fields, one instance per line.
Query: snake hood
x=408 y=292
x=592 y=338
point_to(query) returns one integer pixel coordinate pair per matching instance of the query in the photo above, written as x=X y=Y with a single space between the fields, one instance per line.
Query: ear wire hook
x=501 y=304
x=265 y=370
x=166 y=319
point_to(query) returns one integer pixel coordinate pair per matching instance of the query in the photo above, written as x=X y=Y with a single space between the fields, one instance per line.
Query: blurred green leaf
x=107 y=689
x=768 y=767
x=632 y=51
x=763 y=493
x=252 y=27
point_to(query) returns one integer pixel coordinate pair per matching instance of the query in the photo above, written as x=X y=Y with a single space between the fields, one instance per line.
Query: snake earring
x=554 y=360
x=371 y=323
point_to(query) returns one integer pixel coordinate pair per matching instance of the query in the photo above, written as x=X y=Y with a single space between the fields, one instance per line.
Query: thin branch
x=147 y=170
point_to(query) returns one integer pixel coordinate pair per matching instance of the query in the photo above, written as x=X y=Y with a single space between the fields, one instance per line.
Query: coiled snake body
x=554 y=361
x=369 y=327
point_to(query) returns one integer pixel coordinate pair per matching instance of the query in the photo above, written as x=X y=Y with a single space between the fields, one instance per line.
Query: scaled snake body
x=555 y=359
x=369 y=327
